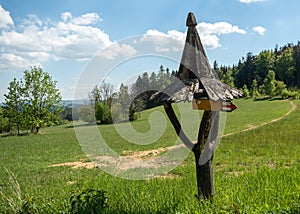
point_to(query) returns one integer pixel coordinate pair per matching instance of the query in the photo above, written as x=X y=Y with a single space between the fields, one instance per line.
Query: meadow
x=257 y=166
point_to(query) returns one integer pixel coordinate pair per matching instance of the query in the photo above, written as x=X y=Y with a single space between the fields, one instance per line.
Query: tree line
x=271 y=73
x=34 y=101
x=106 y=106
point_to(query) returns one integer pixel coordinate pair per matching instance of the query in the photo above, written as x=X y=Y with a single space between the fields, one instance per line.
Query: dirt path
x=141 y=158
x=155 y=152
x=252 y=127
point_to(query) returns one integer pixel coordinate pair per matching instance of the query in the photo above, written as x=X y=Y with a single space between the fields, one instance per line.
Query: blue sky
x=62 y=36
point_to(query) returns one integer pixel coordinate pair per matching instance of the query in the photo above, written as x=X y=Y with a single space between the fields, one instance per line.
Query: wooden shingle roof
x=195 y=73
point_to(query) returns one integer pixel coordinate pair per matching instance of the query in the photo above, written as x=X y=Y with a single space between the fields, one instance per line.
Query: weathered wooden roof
x=195 y=73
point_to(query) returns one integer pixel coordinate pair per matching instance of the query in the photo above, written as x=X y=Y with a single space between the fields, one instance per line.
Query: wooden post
x=210 y=95
x=205 y=177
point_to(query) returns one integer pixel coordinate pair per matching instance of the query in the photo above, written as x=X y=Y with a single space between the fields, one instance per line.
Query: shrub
x=89 y=201
x=285 y=94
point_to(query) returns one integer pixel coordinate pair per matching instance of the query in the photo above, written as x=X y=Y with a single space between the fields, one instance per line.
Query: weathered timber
x=196 y=77
x=177 y=126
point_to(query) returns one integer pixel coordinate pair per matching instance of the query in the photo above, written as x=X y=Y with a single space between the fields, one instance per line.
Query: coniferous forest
x=271 y=73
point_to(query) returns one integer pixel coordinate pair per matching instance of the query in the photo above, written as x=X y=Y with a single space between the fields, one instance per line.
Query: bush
x=87 y=114
x=285 y=94
x=89 y=201
x=103 y=113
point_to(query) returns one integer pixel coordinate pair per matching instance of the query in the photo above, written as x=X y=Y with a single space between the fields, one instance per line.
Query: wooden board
x=209 y=105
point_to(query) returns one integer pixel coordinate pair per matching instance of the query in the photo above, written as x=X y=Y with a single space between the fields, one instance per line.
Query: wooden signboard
x=208 y=105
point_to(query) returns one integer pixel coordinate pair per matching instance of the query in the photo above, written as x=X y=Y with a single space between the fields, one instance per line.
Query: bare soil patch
x=146 y=159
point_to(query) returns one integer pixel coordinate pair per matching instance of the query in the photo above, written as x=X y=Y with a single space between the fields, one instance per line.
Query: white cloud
x=35 y=41
x=259 y=29
x=5 y=19
x=251 y=1
x=218 y=28
x=7 y=60
x=87 y=19
x=66 y=16
x=211 y=41
x=210 y=32
x=172 y=40
x=116 y=49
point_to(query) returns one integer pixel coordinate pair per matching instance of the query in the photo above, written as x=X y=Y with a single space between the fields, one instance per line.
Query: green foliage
x=4 y=122
x=89 y=202
x=43 y=99
x=285 y=66
x=254 y=92
x=127 y=103
x=14 y=105
x=228 y=78
x=87 y=114
x=246 y=91
x=13 y=200
x=33 y=101
x=279 y=88
x=285 y=94
x=270 y=83
x=285 y=62
x=264 y=62
x=105 y=115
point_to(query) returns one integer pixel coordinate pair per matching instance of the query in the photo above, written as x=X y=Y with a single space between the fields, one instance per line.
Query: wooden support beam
x=177 y=126
x=205 y=177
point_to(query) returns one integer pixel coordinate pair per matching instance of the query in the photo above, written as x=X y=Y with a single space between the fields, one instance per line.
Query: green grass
x=248 y=113
x=255 y=172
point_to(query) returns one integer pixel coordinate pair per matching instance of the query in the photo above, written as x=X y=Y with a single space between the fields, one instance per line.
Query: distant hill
x=74 y=103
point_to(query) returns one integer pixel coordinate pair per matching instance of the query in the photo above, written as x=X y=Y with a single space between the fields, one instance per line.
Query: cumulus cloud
x=259 y=29
x=209 y=35
x=35 y=41
x=157 y=36
x=210 y=32
x=5 y=19
x=116 y=49
x=218 y=28
x=171 y=41
x=86 y=19
x=251 y=1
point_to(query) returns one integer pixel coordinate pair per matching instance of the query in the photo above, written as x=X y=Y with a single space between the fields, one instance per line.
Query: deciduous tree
x=42 y=98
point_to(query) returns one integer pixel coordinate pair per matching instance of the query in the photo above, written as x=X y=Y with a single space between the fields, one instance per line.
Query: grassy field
x=256 y=171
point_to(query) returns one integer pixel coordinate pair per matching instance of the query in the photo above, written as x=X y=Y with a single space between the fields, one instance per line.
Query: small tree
x=228 y=78
x=270 y=83
x=100 y=100
x=14 y=104
x=279 y=88
x=246 y=91
x=42 y=98
x=254 y=89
